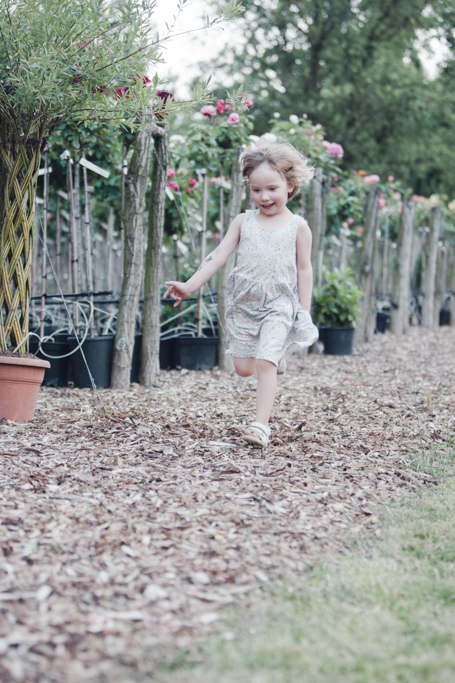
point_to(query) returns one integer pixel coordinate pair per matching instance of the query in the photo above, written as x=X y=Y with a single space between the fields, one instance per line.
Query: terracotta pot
x=20 y=380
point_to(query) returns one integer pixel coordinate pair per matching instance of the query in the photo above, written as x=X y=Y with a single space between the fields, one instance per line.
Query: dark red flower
x=159 y=106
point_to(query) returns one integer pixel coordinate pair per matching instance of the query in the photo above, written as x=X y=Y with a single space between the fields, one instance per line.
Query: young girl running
x=269 y=290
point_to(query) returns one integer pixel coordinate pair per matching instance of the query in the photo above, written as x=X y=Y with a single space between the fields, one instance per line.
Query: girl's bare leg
x=245 y=367
x=266 y=390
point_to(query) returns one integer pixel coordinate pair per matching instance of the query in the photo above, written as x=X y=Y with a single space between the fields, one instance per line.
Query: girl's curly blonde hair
x=282 y=157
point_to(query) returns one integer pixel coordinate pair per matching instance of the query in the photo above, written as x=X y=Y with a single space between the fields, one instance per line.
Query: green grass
x=437 y=460
x=386 y=615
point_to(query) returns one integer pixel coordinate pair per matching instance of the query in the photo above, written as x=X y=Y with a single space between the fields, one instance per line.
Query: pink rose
x=351 y=221
x=390 y=178
x=318 y=126
x=340 y=188
x=216 y=237
x=232 y=119
x=335 y=150
x=173 y=185
x=220 y=106
x=192 y=182
x=372 y=179
x=170 y=173
x=325 y=143
x=208 y=110
x=381 y=203
x=227 y=107
x=335 y=178
x=247 y=101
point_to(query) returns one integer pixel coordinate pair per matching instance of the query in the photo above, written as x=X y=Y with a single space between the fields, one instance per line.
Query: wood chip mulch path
x=126 y=533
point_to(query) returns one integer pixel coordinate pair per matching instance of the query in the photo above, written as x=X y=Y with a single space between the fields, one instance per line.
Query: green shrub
x=336 y=301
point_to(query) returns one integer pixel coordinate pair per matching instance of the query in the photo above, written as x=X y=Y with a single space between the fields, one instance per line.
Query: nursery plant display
x=336 y=309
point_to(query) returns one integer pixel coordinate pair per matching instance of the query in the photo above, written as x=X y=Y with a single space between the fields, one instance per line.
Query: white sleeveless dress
x=264 y=317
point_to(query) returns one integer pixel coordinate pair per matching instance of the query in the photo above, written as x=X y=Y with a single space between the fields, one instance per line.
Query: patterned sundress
x=264 y=317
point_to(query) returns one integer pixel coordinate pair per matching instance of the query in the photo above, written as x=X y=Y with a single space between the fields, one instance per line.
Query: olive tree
x=64 y=60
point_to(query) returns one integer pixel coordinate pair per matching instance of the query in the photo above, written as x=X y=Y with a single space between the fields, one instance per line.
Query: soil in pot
x=197 y=353
x=20 y=380
x=338 y=341
x=98 y=352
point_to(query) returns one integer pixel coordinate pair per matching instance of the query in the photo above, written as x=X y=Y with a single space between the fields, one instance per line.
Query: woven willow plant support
x=20 y=157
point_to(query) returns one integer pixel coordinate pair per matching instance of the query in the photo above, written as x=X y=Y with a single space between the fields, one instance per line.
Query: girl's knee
x=244 y=367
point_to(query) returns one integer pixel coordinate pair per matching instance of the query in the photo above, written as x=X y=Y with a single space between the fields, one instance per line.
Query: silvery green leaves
x=84 y=60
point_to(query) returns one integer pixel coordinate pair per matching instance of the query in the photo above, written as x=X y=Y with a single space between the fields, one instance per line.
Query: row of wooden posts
x=122 y=260
x=378 y=271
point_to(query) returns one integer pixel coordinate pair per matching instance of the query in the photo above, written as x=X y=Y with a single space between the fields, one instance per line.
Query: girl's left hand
x=177 y=291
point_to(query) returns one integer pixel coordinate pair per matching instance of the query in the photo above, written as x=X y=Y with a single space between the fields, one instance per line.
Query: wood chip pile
x=126 y=533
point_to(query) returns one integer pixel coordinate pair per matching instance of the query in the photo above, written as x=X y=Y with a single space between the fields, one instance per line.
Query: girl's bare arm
x=211 y=265
x=304 y=268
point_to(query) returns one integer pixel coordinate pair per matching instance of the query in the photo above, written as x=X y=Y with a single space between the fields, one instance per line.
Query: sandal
x=257 y=435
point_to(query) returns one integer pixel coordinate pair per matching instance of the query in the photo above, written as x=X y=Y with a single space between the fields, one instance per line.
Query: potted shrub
x=58 y=65
x=335 y=310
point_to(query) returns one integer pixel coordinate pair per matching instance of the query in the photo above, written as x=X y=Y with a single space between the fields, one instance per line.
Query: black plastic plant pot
x=168 y=360
x=136 y=360
x=57 y=374
x=338 y=341
x=444 y=317
x=98 y=352
x=382 y=322
x=210 y=332
x=197 y=353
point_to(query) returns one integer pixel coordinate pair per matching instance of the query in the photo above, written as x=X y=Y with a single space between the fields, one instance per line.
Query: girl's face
x=269 y=190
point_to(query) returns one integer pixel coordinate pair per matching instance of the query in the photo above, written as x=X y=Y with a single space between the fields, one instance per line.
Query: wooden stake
x=203 y=248
x=430 y=257
x=44 y=241
x=315 y=219
x=110 y=247
x=88 y=241
x=385 y=256
x=367 y=305
x=58 y=242
x=225 y=362
x=401 y=288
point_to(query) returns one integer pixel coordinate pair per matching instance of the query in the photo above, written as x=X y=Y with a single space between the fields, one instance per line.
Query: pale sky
x=183 y=53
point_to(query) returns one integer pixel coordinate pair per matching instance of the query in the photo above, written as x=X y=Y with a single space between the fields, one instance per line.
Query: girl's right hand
x=177 y=291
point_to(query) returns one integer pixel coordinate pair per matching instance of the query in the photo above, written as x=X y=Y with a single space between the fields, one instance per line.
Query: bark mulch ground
x=126 y=533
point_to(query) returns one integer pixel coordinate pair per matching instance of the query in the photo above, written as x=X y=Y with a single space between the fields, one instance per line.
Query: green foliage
x=354 y=68
x=335 y=302
x=81 y=60
x=67 y=58
x=207 y=144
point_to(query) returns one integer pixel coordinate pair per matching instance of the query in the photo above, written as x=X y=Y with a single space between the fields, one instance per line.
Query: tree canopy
x=354 y=66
